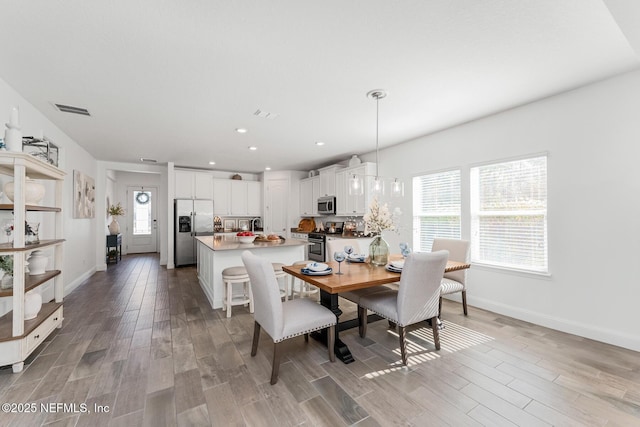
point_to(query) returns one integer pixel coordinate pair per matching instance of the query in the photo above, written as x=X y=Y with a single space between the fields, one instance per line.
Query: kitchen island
x=215 y=253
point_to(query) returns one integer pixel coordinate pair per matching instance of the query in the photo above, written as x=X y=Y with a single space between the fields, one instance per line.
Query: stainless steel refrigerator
x=192 y=218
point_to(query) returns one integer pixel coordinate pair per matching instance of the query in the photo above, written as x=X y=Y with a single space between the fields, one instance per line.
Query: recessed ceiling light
x=212 y=163
x=253 y=148
x=319 y=143
x=241 y=130
x=267 y=168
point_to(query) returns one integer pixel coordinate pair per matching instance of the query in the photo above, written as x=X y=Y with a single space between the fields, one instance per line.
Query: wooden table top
x=356 y=275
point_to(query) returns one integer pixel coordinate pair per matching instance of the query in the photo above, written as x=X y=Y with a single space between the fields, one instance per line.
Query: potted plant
x=115 y=211
x=6 y=265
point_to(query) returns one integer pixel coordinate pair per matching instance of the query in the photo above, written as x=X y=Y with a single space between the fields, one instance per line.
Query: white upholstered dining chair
x=455 y=281
x=283 y=320
x=415 y=300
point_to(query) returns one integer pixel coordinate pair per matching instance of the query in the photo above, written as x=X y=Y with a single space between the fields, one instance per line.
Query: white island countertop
x=231 y=243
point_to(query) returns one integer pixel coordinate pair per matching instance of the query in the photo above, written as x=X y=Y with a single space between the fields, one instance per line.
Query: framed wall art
x=229 y=225
x=84 y=195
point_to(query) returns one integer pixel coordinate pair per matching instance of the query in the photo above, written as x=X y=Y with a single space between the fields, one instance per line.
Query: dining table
x=355 y=275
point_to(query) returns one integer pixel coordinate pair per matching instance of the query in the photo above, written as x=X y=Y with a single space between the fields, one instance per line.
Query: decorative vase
x=114 y=227
x=33 y=194
x=378 y=251
x=13 y=132
x=32 y=304
x=7 y=281
x=354 y=160
x=37 y=263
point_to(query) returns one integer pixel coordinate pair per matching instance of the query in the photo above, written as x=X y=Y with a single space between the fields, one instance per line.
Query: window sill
x=514 y=271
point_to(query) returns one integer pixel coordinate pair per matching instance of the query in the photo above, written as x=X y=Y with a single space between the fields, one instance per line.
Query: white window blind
x=509 y=214
x=436 y=208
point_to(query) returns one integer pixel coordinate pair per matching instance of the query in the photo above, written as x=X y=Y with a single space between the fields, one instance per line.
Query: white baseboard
x=69 y=287
x=609 y=336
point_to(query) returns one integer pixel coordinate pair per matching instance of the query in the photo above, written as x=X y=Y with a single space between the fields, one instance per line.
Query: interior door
x=142 y=226
x=276 y=206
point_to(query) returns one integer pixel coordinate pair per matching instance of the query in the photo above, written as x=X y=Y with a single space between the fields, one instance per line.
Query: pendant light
x=377 y=184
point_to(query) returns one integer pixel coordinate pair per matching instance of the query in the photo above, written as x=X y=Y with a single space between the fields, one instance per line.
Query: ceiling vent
x=265 y=115
x=72 y=110
x=146 y=160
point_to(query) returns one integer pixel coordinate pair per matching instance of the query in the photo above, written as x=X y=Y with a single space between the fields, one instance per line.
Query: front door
x=142 y=227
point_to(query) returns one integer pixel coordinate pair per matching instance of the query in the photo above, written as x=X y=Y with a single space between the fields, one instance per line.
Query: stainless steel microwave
x=327 y=205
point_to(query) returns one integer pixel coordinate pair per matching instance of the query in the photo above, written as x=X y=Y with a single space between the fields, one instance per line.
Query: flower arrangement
x=116 y=210
x=378 y=218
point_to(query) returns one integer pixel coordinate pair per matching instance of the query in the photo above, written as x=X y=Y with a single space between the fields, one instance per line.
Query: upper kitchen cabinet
x=354 y=205
x=245 y=198
x=193 y=185
x=328 y=180
x=237 y=198
x=309 y=193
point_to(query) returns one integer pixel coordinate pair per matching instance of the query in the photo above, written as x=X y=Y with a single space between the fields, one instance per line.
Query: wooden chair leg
x=276 y=363
x=256 y=338
x=306 y=337
x=402 y=333
x=464 y=302
x=331 y=340
x=362 y=321
x=439 y=307
x=436 y=332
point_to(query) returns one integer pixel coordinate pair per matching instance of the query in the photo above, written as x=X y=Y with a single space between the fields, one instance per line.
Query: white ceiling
x=172 y=80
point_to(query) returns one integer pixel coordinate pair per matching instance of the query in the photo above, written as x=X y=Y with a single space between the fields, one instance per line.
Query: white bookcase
x=19 y=337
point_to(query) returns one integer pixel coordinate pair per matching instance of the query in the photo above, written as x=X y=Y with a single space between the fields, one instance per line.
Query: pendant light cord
x=377 y=127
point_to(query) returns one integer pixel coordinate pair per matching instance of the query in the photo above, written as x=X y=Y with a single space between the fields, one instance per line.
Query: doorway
x=142 y=225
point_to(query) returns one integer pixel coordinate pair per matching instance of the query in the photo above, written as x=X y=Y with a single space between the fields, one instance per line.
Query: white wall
x=592 y=137
x=79 y=233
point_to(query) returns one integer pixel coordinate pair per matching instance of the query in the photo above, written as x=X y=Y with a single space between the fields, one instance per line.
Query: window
x=141 y=213
x=509 y=214
x=436 y=208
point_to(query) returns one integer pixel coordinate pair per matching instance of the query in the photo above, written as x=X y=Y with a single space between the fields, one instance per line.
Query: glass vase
x=378 y=251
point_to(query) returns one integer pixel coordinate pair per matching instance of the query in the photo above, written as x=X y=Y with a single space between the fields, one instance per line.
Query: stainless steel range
x=318 y=241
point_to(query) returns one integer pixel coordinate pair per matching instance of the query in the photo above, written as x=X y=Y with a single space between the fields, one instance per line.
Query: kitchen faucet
x=253 y=223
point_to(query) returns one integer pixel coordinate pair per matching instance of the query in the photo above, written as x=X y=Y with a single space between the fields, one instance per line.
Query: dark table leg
x=341 y=350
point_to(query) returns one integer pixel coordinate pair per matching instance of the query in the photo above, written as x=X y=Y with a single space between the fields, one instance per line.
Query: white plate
x=356 y=259
x=392 y=269
x=397 y=264
x=316 y=266
x=317 y=273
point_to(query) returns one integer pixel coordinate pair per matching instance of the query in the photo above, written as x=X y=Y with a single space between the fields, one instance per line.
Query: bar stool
x=231 y=275
x=304 y=289
x=281 y=274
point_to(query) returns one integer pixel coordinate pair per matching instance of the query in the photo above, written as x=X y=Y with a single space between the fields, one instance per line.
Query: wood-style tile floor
x=141 y=345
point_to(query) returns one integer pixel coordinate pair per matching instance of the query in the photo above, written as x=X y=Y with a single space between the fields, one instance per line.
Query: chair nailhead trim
x=305 y=332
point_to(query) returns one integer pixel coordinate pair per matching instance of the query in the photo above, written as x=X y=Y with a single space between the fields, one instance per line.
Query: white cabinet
x=202 y=186
x=309 y=193
x=222 y=196
x=19 y=337
x=237 y=198
x=193 y=185
x=254 y=196
x=355 y=205
x=184 y=184
x=341 y=193
x=328 y=180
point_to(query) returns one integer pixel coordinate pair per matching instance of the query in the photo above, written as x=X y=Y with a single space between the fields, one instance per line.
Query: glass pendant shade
x=377 y=186
x=397 y=188
x=355 y=186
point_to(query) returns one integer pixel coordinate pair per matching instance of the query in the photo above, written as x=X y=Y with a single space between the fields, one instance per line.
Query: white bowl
x=33 y=194
x=246 y=239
